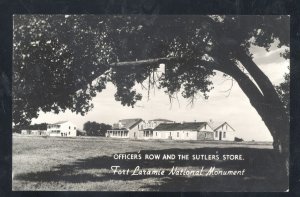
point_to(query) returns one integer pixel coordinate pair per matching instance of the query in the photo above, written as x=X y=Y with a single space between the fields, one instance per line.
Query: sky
x=234 y=108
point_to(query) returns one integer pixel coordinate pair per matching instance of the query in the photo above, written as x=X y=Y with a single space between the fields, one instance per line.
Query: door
x=220 y=135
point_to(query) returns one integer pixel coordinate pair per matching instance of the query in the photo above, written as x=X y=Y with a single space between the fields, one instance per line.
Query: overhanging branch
x=144 y=62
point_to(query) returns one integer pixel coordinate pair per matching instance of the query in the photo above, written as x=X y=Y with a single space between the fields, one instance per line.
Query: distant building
x=167 y=129
x=63 y=128
x=36 y=129
x=222 y=131
x=126 y=128
x=184 y=131
x=147 y=127
x=34 y=132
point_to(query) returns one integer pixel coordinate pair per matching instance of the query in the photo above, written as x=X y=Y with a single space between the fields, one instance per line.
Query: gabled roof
x=180 y=126
x=160 y=119
x=130 y=123
x=217 y=125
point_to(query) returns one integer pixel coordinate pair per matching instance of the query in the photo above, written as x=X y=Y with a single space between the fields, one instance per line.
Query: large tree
x=61 y=62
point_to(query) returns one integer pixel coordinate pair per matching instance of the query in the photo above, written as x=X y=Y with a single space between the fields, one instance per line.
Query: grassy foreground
x=84 y=164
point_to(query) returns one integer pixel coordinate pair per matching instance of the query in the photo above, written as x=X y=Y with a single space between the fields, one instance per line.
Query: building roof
x=61 y=122
x=160 y=119
x=224 y=124
x=217 y=125
x=180 y=126
x=130 y=123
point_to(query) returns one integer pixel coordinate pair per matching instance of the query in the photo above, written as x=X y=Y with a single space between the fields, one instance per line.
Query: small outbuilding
x=223 y=131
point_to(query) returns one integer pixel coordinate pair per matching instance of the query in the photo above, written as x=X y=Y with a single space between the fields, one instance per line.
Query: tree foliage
x=61 y=61
x=283 y=90
x=96 y=129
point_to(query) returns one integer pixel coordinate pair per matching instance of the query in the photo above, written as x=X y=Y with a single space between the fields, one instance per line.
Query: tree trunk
x=268 y=105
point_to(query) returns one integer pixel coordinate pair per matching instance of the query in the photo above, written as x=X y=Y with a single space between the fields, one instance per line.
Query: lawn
x=84 y=164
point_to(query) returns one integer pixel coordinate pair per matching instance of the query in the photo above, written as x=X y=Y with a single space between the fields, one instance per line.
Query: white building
x=184 y=131
x=147 y=127
x=63 y=128
x=135 y=128
x=34 y=132
x=223 y=131
x=126 y=128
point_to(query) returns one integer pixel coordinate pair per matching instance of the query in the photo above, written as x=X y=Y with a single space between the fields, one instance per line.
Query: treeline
x=18 y=128
x=96 y=129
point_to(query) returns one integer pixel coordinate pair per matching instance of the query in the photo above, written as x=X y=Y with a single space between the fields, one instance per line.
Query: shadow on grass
x=263 y=171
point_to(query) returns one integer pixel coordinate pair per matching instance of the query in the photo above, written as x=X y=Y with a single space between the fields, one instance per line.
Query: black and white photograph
x=151 y=103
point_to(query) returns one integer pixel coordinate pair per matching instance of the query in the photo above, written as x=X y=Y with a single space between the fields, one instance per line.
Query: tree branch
x=144 y=62
x=260 y=78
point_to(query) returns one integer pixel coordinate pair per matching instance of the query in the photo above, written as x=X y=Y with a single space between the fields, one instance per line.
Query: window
x=216 y=133
x=69 y=133
x=187 y=134
x=224 y=135
x=205 y=135
x=69 y=127
x=134 y=134
x=177 y=134
x=74 y=127
x=170 y=133
x=156 y=133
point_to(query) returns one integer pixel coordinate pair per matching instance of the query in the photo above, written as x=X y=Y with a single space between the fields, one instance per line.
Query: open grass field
x=84 y=164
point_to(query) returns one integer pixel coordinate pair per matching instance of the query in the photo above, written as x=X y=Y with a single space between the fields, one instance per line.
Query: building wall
x=229 y=133
x=175 y=135
x=206 y=128
x=205 y=135
x=141 y=135
x=69 y=129
x=135 y=133
x=115 y=134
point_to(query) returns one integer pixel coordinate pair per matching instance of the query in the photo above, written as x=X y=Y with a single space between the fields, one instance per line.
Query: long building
x=169 y=130
x=135 y=128
x=184 y=131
